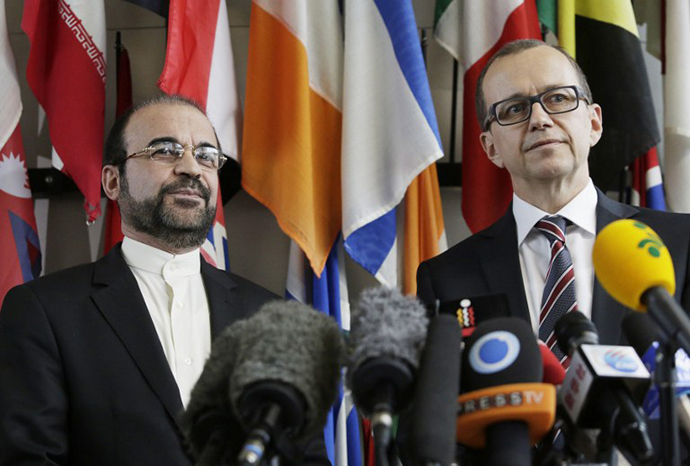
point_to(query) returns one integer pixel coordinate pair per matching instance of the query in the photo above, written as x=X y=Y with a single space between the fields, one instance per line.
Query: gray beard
x=179 y=228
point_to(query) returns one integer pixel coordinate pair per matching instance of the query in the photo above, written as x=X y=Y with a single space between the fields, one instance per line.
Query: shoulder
x=476 y=246
x=249 y=288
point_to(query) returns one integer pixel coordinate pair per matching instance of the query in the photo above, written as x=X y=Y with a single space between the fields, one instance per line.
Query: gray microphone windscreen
x=386 y=324
x=291 y=343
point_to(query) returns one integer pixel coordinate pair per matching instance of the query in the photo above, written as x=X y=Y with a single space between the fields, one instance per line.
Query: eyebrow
x=173 y=139
x=543 y=89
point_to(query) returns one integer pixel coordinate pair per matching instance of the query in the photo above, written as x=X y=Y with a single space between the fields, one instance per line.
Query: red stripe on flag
x=67 y=74
x=487 y=189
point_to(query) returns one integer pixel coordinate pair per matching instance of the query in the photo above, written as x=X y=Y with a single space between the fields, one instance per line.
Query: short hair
x=512 y=48
x=115 y=152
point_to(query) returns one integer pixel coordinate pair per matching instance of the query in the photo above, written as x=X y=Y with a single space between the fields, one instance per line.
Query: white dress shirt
x=535 y=251
x=176 y=300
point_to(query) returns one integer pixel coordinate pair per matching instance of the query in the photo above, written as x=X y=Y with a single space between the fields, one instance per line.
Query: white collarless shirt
x=535 y=252
x=176 y=300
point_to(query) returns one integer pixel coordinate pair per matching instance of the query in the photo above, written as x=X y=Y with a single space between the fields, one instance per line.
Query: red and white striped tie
x=559 y=288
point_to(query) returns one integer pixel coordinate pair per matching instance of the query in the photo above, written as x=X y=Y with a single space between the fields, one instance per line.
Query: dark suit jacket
x=83 y=376
x=488 y=263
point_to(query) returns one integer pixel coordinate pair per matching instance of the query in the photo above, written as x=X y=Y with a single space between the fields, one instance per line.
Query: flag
x=160 y=7
x=199 y=65
x=390 y=134
x=329 y=295
x=424 y=233
x=113 y=221
x=479 y=28
x=603 y=38
x=66 y=71
x=19 y=246
x=647 y=186
x=676 y=105
x=291 y=163
x=292 y=131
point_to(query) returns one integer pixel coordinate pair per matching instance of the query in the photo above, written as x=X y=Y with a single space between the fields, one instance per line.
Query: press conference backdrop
x=258 y=249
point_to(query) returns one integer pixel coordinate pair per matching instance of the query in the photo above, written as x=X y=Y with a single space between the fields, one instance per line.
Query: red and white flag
x=66 y=72
x=199 y=65
x=19 y=246
x=473 y=31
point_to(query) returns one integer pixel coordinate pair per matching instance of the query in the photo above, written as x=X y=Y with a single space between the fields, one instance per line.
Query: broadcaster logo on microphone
x=494 y=352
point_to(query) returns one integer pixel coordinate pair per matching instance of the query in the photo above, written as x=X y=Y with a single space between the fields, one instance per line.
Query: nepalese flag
x=390 y=134
x=473 y=31
x=66 y=71
x=19 y=245
x=199 y=65
x=647 y=185
x=329 y=295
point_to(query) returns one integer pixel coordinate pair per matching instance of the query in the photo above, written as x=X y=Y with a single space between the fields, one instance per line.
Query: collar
x=581 y=211
x=144 y=257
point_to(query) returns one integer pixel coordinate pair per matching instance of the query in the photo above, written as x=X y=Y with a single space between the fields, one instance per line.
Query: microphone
x=274 y=374
x=473 y=310
x=438 y=384
x=643 y=335
x=596 y=392
x=648 y=283
x=386 y=338
x=504 y=408
x=554 y=373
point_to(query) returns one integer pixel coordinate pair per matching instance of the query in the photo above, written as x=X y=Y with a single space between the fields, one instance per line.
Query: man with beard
x=98 y=361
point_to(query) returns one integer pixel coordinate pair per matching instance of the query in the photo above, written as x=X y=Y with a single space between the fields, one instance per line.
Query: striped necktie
x=559 y=289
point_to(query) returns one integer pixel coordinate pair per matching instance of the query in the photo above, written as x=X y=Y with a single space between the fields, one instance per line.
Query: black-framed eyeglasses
x=171 y=153
x=515 y=110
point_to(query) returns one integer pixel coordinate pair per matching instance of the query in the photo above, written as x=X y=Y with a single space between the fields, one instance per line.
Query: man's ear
x=595 y=118
x=110 y=180
x=487 y=141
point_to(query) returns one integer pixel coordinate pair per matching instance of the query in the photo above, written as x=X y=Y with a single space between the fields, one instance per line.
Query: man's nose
x=188 y=164
x=539 y=117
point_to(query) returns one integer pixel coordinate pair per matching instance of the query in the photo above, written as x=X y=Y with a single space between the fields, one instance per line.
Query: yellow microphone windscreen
x=630 y=258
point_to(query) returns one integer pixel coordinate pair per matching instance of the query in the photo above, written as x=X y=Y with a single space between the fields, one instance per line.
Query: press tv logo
x=492 y=353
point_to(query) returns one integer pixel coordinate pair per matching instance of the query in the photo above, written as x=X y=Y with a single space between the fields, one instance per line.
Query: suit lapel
x=607 y=313
x=221 y=292
x=501 y=264
x=122 y=305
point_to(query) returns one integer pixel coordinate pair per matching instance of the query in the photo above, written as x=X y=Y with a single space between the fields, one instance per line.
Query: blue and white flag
x=390 y=134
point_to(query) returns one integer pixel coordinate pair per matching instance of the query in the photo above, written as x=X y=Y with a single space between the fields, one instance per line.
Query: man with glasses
x=98 y=361
x=539 y=122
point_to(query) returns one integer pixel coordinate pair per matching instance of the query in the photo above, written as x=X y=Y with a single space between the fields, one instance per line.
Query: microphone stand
x=665 y=376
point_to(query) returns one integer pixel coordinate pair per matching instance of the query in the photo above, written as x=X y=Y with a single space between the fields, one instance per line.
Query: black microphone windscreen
x=386 y=324
x=209 y=412
x=438 y=385
x=500 y=352
x=573 y=329
x=290 y=343
x=641 y=331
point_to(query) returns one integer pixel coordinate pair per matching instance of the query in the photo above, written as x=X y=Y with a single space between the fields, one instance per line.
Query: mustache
x=187 y=183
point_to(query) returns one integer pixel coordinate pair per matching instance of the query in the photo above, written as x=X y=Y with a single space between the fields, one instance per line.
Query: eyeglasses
x=171 y=153
x=518 y=109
